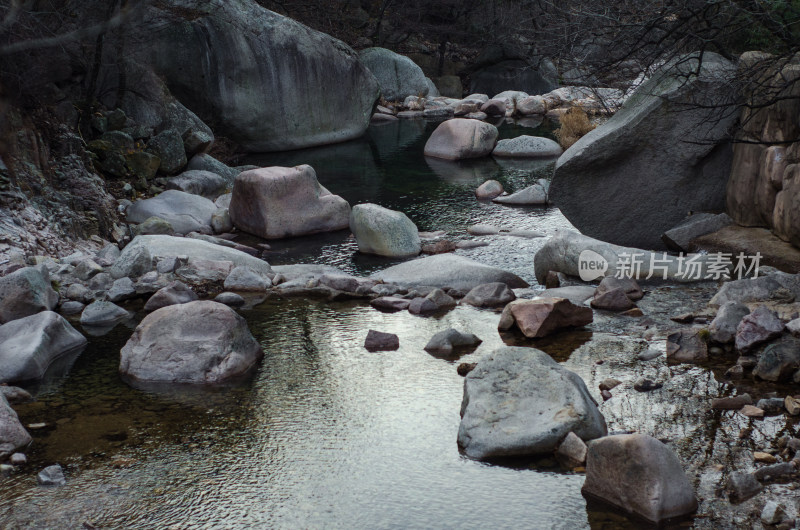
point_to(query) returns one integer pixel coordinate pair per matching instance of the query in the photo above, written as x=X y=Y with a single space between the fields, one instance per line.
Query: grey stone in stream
x=673 y=120
x=304 y=272
x=772 y=513
x=699 y=224
x=183 y=211
x=481 y=229
x=532 y=195
x=51 y=476
x=543 y=316
x=168 y=147
x=513 y=385
x=79 y=293
x=489 y=190
x=122 y=289
x=771 y=405
x=613 y=300
x=107 y=255
x=775 y=471
x=230 y=299
x=564 y=252
x=390 y=303
x=278 y=202
x=577 y=294
x=686 y=346
x=447 y=271
x=778 y=362
x=246 y=279
x=200 y=342
x=103 y=314
x=649 y=355
x=15 y=394
x=527 y=147
x=221 y=221
x=18 y=459
x=384 y=232
x=71 y=308
x=757 y=327
x=86 y=269
x=28 y=346
x=742 y=486
x=198 y=182
x=732 y=402
x=379 y=341
x=571 y=451
x=628 y=285
x=344 y=282
x=101 y=282
x=437 y=300
x=445 y=342
x=646 y=385
x=141 y=254
x=459 y=139
x=640 y=475
x=12 y=434
x=206 y=162
x=489 y=295
x=25 y=292
x=154 y=226
x=173 y=294
x=723 y=327
x=398 y=76
x=779 y=286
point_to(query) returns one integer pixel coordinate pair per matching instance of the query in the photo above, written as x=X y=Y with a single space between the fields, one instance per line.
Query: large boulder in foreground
x=185 y=212
x=26 y=292
x=519 y=401
x=266 y=81
x=638 y=474
x=142 y=254
x=447 y=271
x=12 y=434
x=384 y=232
x=398 y=76
x=665 y=153
x=201 y=342
x=277 y=202
x=582 y=256
x=28 y=346
x=461 y=138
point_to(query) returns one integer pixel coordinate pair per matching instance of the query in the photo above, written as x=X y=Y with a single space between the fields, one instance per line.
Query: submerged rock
x=28 y=346
x=447 y=271
x=278 y=202
x=510 y=387
x=384 y=232
x=200 y=342
x=742 y=486
x=51 y=476
x=640 y=475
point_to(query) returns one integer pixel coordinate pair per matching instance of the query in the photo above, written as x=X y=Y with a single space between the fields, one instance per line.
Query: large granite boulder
x=519 y=401
x=28 y=346
x=665 y=153
x=398 y=76
x=640 y=475
x=200 y=342
x=461 y=138
x=12 y=434
x=144 y=252
x=266 y=81
x=277 y=202
x=25 y=292
x=384 y=232
x=447 y=271
x=527 y=147
x=185 y=212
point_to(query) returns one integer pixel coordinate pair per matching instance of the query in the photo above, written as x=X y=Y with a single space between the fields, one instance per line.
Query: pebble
x=792 y=405
x=774 y=471
x=742 y=486
x=51 y=476
x=773 y=513
x=752 y=412
x=465 y=368
x=609 y=384
x=646 y=385
x=18 y=459
x=764 y=458
x=731 y=403
x=606 y=395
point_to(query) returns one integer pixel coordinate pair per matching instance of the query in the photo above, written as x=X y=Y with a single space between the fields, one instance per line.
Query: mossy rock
x=143 y=164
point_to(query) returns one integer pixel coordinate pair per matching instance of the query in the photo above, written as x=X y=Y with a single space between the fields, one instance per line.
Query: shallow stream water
x=328 y=435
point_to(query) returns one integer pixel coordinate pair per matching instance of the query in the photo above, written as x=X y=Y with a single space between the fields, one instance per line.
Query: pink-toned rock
x=461 y=138
x=539 y=318
x=494 y=107
x=489 y=190
x=278 y=202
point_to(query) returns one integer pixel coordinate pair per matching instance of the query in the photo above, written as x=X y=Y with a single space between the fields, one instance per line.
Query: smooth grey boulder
x=185 y=212
x=12 y=434
x=197 y=182
x=532 y=195
x=267 y=82
x=28 y=346
x=666 y=152
x=509 y=388
x=527 y=147
x=679 y=238
x=230 y=299
x=278 y=202
x=447 y=271
x=246 y=279
x=380 y=341
x=493 y=294
x=201 y=342
x=489 y=190
x=459 y=138
x=447 y=341
x=174 y=293
x=121 y=289
x=723 y=327
x=565 y=251
x=142 y=254
x=434 y=302
x=640 y=475
x=384 y=232
x=51 y=476
x=154 y=226
x=398 y=76
x=25 y=292
x=102 y=314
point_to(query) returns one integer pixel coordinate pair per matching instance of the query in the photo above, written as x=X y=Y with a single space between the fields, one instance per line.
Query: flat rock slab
x=735 y=239
x=185 y=212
